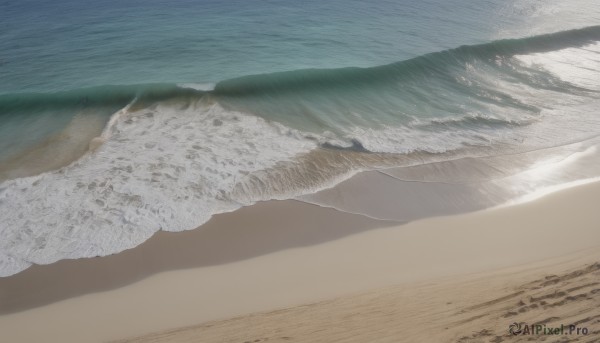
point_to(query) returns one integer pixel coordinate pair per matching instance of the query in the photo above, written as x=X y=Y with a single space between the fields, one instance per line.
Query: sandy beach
x=276 y=255
x=299 y=171
x=474 y=308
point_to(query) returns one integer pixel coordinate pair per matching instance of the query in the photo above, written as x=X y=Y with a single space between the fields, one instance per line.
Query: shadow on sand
x=249 y=232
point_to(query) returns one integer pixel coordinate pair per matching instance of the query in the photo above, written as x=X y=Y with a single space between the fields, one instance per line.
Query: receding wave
x=169 y=156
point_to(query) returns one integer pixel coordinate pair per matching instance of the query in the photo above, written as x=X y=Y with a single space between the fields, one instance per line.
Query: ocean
x=122 y=118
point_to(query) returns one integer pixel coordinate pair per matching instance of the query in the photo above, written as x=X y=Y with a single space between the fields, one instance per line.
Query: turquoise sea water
x=118 y=119
x=64 y=45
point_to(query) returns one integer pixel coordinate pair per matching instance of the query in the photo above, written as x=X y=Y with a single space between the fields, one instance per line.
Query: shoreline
x=438 y=188
x=279 y=254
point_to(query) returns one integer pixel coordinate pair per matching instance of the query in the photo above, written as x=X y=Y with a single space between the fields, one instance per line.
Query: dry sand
x=470 y=309
x=281 y=254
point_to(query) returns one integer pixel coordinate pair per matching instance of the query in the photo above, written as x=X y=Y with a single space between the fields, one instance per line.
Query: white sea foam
x=167 y=167
x=161 y=168
x=198 y=86
x=404 y=139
